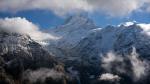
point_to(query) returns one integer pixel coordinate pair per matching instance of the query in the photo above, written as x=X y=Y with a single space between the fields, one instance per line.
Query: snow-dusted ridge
x=78 y=30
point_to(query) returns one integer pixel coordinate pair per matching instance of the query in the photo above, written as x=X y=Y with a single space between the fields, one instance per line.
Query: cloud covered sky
x=61 y=7
x=109 y=11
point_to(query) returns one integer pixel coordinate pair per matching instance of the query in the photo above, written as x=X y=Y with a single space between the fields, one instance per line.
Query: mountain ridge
x=83 y=54
x=86 y=53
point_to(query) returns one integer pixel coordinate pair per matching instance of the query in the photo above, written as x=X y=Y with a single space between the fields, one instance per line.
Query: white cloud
x=109 y=59
x=23 y=26
x=145 y=27
x=109 y=77
x=117 y=7
x=61 y=7
x=139 y=67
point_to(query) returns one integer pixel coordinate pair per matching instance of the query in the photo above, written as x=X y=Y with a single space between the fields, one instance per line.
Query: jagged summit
x=76 y=22
x=78 y=19
x=76 y=28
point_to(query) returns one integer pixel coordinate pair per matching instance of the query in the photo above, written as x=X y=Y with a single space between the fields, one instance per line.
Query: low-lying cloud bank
x=130 y=65
x=41 y=75
x=23 y=26
x=62 y=7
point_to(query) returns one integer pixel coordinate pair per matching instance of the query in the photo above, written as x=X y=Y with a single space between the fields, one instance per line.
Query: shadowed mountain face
x=16 y=47
x=23 y=61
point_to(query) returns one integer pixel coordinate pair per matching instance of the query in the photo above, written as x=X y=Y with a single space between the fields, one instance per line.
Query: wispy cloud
x=137 y=68
x=62 y=7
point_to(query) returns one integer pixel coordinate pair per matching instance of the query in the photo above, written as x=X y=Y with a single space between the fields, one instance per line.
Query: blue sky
x=43 y=18
x=53 y=14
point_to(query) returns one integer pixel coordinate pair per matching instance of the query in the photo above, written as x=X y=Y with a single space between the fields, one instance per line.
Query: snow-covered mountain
x=14 y=46
x=70 y=33
x=80 y=35
x=116 y=39
x=89 y=54
x=74 y=29
x=83 y=45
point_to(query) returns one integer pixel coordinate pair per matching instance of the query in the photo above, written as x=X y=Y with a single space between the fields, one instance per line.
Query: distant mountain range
x=83 y=54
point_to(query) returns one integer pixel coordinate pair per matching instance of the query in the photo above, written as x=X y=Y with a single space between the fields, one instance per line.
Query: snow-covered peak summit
x=73 y=31
x=126 y=24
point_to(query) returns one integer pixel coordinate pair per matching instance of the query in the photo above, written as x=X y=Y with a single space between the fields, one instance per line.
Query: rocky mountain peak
x=79 y=20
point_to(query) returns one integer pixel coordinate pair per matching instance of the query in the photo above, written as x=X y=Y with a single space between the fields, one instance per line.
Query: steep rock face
x=16 y=47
